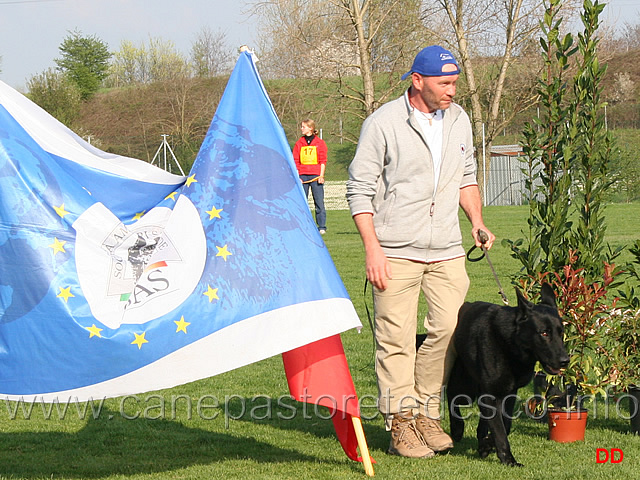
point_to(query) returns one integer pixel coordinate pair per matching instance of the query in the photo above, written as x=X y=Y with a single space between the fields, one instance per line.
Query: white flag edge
x=235 y=346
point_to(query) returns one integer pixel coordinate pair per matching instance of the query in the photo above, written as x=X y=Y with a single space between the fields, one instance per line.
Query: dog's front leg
x=485 y=440
x=491 y=412
x=507 y=414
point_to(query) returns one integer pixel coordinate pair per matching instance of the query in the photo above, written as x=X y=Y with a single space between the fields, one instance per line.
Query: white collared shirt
x=431 y=125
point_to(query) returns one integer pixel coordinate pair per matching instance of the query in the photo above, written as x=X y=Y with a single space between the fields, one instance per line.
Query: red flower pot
x=567 y=425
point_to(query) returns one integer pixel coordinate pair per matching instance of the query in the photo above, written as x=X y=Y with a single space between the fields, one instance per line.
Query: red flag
x=318 y=373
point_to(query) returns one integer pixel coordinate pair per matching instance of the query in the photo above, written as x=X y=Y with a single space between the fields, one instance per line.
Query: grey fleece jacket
x=391 y=176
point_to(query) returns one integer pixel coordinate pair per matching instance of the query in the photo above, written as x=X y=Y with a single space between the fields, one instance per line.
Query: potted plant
x=625 y=334
x=625 y=365
x=585 y=308
x=567 y=152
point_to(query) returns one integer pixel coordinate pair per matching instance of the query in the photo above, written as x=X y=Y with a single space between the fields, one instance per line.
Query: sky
x=32 y=30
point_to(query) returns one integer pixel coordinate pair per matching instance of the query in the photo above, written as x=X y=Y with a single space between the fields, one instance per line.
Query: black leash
x=373 y=333
x=484 y=238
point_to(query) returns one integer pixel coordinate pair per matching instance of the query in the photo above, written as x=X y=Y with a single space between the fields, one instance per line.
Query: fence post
x=484 y=170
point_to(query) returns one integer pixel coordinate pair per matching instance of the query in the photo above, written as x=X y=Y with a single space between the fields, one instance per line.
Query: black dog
x=497 y=349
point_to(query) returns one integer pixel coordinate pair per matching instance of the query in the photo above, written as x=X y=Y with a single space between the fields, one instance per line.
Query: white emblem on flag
x=131 y=274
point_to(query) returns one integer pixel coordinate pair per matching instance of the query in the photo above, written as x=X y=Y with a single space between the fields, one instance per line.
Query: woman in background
x=310 y=155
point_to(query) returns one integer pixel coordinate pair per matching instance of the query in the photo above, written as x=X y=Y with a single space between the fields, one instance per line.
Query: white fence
x=504 y=182
x=334 y=196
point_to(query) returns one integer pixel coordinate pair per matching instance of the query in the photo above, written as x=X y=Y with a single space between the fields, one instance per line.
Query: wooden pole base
x=362 y=445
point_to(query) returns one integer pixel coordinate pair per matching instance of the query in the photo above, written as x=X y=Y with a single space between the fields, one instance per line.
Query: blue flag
x=117 y=277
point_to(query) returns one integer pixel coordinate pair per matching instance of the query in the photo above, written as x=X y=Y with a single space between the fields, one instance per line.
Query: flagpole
x=362 y=444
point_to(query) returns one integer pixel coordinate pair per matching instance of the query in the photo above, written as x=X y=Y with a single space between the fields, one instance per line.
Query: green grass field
x=233 y=425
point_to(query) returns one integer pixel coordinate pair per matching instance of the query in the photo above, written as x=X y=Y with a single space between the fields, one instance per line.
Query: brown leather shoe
x=433 y=435
x=406 y=441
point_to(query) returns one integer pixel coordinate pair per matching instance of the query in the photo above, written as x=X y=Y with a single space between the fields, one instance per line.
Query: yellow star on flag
x=172 y=196
x=57 y=246
x=139 y=215
x=191 y=179
x=212 y=293
x=223 y=252
x=214 y=213
x=60 y=210
x=94 y=331
x=65 y=293
x=140 y=340
x=182 y=325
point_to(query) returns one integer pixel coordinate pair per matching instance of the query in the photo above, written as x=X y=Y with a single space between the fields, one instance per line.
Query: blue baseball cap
x=430 y=62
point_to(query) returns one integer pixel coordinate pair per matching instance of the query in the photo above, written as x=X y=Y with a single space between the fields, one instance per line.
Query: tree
x=156 y=61
x=625 y=170
x=164 y=62
x=593 y=147
x=85 y=60
x=493 y=41
x=362 y=45
x=210 y=55
x=294 y=36
x=57 y=94
x=568 y=150
x=630 y=37
x=548 y=153
x=125 y=66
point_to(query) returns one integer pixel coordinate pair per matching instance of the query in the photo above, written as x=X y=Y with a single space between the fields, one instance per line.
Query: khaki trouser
x=410 y=380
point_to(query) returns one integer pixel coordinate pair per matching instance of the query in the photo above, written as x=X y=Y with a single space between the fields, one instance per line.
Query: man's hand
x=471 y=203
x=487 y=238
x=377 y=266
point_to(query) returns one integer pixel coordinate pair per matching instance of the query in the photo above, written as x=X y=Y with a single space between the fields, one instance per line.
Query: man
x=413 y=167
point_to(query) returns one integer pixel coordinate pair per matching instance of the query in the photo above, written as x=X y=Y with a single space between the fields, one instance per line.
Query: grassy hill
x=131 y=121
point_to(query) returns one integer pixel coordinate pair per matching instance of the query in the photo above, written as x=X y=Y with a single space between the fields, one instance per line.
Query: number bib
x=309 y=155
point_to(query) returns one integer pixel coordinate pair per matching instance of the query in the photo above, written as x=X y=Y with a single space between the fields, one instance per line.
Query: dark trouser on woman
x=317 y=191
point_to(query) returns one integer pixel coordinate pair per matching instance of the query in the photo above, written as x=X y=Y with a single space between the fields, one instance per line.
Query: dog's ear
x=547 y=295
x=523 y=303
